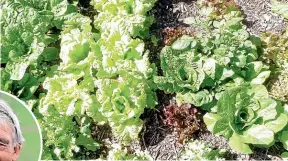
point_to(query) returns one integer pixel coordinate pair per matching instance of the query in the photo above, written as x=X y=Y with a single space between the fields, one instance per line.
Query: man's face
x=7 y=151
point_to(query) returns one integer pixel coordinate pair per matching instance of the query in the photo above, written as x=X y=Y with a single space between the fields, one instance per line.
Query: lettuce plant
x=276 y=55
x=247 y=115
x=124 y=75
x=69 y=95
x=199 y=68
x=125 y=16
x=27 y=42
x=276 y=49
x=122 y=101
x=183 y=119
x=62 y=136
x=120 y=24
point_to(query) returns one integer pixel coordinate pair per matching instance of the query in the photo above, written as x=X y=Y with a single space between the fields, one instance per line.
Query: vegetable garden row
x=77 y=68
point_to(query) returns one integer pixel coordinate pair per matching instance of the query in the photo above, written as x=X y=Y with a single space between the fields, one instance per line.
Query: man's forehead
x=5 y=126
x=6 y=132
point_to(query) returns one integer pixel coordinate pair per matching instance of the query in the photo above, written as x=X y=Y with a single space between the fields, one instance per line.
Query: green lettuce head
x=122 y=101
x=246 y=115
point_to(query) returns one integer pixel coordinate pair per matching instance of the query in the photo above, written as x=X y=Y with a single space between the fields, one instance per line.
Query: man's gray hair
x=8 y=116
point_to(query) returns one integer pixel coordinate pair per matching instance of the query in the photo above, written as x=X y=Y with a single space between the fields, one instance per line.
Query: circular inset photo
x=20 y=134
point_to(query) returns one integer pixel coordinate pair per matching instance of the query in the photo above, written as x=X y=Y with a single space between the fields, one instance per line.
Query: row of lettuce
x=103 y=77
x=238 y=78
x=73 y=72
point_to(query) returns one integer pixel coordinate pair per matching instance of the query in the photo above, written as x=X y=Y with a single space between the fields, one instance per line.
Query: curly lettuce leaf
x=119 y=53
x=178 y=74
x=198 y=99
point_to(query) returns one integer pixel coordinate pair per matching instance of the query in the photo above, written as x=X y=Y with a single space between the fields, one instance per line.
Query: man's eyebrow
x=3 y=140
x=6 y=114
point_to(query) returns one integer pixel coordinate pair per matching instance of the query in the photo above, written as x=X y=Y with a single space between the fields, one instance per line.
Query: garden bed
x=159 y=140
x=93 y=70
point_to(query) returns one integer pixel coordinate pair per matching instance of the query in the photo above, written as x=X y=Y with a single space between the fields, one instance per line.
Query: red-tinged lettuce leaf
x=183 y=119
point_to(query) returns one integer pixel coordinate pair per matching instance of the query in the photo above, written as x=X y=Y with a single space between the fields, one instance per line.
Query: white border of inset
x=38 y=126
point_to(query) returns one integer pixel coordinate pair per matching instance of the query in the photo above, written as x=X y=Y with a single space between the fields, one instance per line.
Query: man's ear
x=16 y=153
